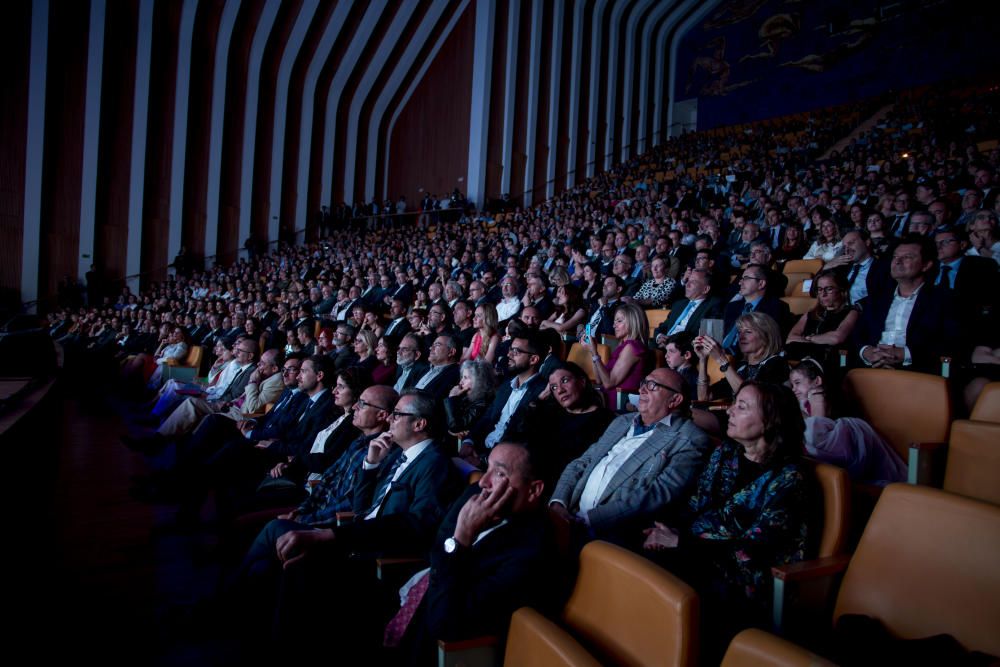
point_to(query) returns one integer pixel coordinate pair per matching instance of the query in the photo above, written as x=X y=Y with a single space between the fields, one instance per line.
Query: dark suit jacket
x=442 y=384
x=932 y=331
x=419 y=368
x=711 y=308
x=770 y=305
x=485 y=424
x=312 y=420
x=397 y=332
x=278 y=420
x=410 y=512
x=238 y=384
x=976 y=291
x=474 y=591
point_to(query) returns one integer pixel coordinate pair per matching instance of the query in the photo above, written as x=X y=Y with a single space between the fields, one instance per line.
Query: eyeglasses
x=362 y=403
x=396 y=414
x=827 y=290
x=517 y=351
x=742 y=278
x=943 y=242
x=290 y=370
x=653 y=385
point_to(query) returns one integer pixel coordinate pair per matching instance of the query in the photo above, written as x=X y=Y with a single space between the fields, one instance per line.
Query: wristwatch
x=724 y=367
x=451 y=545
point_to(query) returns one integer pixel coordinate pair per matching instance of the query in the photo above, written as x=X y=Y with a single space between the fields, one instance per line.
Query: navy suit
x=768 y=305
x=488 y=421
x=445 y=380
x=931 y=332
x=710 y=307
x=313 y=419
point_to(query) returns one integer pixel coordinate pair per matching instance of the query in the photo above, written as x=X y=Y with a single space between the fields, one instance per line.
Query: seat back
x=904 y=407
x=629 y=611
x=756 y=648
x=579 y=354
x=927 y=564
x=194 y=356
x=799 y=305
x=810 y=266
x=796 y=282
x=973 y=467
x=535 y=641
x=835 y=489
x=987 y=407
x=656 y=317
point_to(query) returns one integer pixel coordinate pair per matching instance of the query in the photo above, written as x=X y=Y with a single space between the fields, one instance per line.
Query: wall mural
x=752 y=59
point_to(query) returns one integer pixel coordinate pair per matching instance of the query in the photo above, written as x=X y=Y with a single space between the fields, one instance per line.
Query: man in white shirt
x=641 y=464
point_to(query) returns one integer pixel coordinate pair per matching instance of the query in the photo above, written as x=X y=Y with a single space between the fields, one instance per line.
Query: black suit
x=931 y=332
x=488 y=421
x=975 y=294
x=416 y=372
x=711 y=307
x=313 y=419
x=442 y=384
x=768 y=305
x=397 y=329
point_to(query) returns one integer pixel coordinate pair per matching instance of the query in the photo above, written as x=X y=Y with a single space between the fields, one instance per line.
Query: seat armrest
x=345 y=518
x=385 y=567
x=811 y=569
x=477 y=652
x=818 y=573
x=926 y=463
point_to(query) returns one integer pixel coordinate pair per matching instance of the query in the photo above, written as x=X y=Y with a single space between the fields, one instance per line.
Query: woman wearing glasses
x=827 y=325
x=749 y=513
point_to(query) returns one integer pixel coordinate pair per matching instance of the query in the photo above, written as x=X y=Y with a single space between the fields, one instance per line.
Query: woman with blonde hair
x=485 y=340
x=760 y=346
x=628 y=363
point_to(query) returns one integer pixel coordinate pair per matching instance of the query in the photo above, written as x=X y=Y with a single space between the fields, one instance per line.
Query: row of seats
x=925 y=565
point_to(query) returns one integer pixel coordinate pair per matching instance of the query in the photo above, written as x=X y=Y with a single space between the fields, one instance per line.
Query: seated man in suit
x=974 y=282
x=753 y=297
x=492 y=555
x=865 y=274
x=505 y=414
x=602 y=319
x=405 y=486
x=409 y=365
x=687 y=313
x=640 y=465
x=914 y=325
x=443 y=355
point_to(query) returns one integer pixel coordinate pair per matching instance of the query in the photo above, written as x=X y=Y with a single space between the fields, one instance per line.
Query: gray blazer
x=656 y=474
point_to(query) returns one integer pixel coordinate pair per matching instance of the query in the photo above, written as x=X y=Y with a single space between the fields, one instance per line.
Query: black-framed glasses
x=653 y=385
x=396 y=414
x=290 y=369
x=517 y=351
x=362 y=403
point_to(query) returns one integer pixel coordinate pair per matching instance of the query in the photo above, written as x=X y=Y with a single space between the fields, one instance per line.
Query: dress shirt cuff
x=907 y=359
x=555 y=501
x=861 y=354
x=369 y=466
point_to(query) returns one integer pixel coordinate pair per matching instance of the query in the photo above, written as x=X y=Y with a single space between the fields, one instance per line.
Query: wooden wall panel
x=583 y=137
x=565 y=72
x=494 y=136
x=430 y=143
x=541 y=157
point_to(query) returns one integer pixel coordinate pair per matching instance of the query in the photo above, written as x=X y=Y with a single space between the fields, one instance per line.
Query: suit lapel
x=650 y=447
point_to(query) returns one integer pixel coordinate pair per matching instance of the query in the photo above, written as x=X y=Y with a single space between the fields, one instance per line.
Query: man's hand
x=559 y=510
x=279 y=470
x=482 y=510
x=660 y=537
x=254 y=377
x=264 y=444
x=289 y=516
x=295 y=544
x=891 y=355
x=378 y=449
x=661 y=340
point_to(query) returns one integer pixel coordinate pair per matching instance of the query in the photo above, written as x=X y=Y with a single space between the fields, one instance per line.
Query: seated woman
x=760 y=349
x=569 y=310
x=828 y=244
x=468 y=400
x=567 y=418
x=324 y=341
x=173 y=346
x=658 y=290
x=829 y=324
x=847 y=442
x=628 y=363
x=793 y=244
x=220 y=374
x=485 y=340
x=875 y=223
x=749 y=512
x=364 y=347
x=385 y=370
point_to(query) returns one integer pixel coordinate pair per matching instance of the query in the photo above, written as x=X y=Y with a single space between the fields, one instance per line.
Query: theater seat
x=904 y=407
x=800 y=305
x=656 y=317
x=535 y=641
x=579 y=354
x=810 y=266
x=629 y=611
x=987 y=407
x=186 y=370
x=973 y=467
x=756 y=648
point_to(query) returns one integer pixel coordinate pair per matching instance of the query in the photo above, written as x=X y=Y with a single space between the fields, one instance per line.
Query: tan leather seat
x=927 y=564
x=799 y=304
x=811 y=266
x=904 y=407
x=973 y=467
x=656 y=317
x=987 y=407
x=535 y=641
x=579 y=354
x=756 y=648
x=835 y=488
x=796 y=283
x=187 y=369
x=628 y=611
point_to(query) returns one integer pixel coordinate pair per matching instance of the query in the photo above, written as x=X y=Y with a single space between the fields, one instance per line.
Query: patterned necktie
x=396 y=628
x=383 y=489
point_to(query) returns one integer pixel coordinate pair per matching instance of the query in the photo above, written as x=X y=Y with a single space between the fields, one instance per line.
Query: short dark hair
x=683 y=341
x=356 y=379
x=928 y=251
x=324 y=364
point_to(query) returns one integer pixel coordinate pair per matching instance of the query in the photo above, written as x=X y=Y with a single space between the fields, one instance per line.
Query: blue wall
x=753 y=59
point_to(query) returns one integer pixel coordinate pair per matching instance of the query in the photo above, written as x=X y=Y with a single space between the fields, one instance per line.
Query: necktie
x=309 y=406
x=383 y=489
x=945 y=279
x=853 y=274
x=682 y=320
x=396 y=628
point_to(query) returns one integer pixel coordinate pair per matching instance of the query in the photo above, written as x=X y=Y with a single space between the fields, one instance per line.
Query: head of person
x=290 y=370
x=412 y=420
x=753 y=282
x=478 y=378
x=348 y=387
x=324 y=341
x=857 y=245
x=983 y=228
x=245 y=351
x=526 y=354
x=270 y=363
x=571 y=388
x=806 y=377
x=875 y=223
x=698 y=284
x=913 y=258
x=509 y=287
x=951 y=244
x=530 y=317
x=521 y=469
x=438 y=316
x=371 y=412
x=485 y=318
x=409 y=351
x=444 y=350
x=385 y=350
x=630 y=323
x=828 y=232
x=365 y=342
x=316 y=373
x=661 y=393
x=759 y=335
x=767 y=420
x=921 y=223
x=831 y=290
x=397 y=308
x=343 y=335
x=679 y=350
x=614 y=286
x=760 y=253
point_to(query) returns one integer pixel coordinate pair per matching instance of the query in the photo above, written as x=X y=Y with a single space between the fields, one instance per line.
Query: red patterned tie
x=396 y=628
